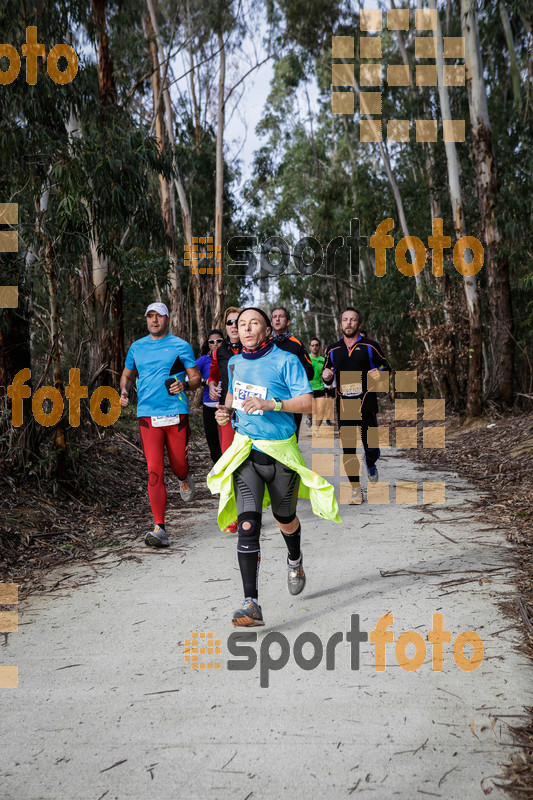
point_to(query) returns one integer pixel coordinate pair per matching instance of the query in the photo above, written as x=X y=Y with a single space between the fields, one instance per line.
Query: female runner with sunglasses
x=214 y=340
x=230 y=347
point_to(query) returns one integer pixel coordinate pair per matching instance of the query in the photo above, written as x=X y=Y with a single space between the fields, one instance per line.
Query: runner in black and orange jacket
x=285 y=340
x=351 y=360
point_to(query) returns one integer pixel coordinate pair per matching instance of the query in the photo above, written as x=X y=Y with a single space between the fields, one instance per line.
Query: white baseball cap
x=161 y=309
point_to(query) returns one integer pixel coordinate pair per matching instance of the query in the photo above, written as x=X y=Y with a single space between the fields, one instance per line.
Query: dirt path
x=108 y=707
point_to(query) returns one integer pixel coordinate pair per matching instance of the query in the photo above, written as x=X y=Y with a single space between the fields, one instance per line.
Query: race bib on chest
x=164 y=421
x=243 y=390
x=351 y=389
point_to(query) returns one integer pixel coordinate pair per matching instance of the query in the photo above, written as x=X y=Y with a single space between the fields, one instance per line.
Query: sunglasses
x=215 y=341
x=231 y=322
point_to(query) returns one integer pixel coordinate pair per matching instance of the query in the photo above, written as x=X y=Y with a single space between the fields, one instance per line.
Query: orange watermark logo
x=397 y=75
x=405 y=438
x=32 y=50
x=74 y=391
x=202 y=254
x=275 y=649
x=9 y=677
x=9 y=243
x=202 y=644
x=310 y=257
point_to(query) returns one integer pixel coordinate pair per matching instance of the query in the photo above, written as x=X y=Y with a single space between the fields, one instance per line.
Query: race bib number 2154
x=243 y=390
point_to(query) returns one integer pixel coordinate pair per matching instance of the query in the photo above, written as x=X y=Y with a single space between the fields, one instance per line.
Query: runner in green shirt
x=317 y=385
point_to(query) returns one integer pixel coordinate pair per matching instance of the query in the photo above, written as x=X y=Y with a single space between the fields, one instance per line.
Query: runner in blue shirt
x=161 y=361
x=266 y=387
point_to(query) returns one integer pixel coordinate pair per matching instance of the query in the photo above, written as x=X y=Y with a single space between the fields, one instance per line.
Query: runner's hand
x=252 y=404
x=327 y=374
x=124 y=399
x=222 y=415
x=374 y=374
x=177 y=387
x=214 y=393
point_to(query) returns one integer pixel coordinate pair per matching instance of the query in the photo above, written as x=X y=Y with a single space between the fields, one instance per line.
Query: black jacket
x=293 y=345
x=363 y=356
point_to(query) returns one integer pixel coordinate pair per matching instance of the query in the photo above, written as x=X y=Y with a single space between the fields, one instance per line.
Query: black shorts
x=249 y=481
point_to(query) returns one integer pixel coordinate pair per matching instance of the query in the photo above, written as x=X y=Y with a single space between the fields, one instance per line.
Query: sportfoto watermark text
x=275 y=649
x=308 y=256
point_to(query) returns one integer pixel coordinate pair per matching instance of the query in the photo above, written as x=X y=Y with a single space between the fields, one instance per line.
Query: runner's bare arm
x=302 y=404
x=223 y=413
x=195 y=380
x=126 y=382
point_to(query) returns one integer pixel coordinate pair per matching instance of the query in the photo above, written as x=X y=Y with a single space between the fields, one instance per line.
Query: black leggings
x=249 y=482
x=352 y=465
x=211 y=432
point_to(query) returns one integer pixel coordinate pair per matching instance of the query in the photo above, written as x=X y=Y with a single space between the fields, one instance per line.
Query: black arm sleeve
x=379 y=358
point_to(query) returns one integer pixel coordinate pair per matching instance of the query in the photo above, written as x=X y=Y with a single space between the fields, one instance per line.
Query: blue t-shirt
x=283 y=376
x=153 y=359
x=204 y=367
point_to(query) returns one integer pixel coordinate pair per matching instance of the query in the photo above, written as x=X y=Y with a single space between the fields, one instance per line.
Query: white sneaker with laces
x=357 y=497
x=187 y=488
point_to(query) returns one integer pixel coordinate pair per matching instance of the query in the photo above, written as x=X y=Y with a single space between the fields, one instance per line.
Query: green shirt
x=318 y=365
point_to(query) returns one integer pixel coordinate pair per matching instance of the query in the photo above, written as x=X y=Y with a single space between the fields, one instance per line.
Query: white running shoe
x=187 y=488
x=357 y=497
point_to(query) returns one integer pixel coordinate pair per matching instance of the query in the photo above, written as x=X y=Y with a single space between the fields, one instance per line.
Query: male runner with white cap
x=161 y=360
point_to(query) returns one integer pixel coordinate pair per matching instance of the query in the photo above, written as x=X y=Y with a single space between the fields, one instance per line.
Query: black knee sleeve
x=248 y=541
x=284 y=520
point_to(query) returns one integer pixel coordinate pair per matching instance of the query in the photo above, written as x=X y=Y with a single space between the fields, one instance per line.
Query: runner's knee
x=249 y=529
x=284 y=520
x=153 y=478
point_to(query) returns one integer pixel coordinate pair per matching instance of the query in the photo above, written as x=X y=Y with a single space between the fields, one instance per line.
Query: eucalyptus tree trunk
x=95 y=283
x=425 y=335
x=219 y=185
x=59 y=435
x=195 y=109
x=109 y=346
x=473 y=400
x=177 y=314
x=158 y=125
x=500 y=387
x=199 y=296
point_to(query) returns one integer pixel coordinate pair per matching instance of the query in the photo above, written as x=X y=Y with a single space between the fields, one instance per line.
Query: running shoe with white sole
x=187 y=488
x=248 y=615
x=157 y=538
x=373 y=474
x=295 y=577
x=308 y=421
x=357 y=497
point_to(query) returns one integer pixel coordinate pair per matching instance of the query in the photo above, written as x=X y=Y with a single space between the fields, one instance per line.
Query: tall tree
x=501 y=337
x=474 y=396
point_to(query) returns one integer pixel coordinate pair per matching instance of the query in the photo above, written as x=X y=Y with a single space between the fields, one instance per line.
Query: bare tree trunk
x=106 y=78
x=193 y=87
x=60 y=443
x=108 y=307
x=176 y=297
x=199 y=301
x=219 y=184
x=498 y=283
x=473 y=401
x=508 y=33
